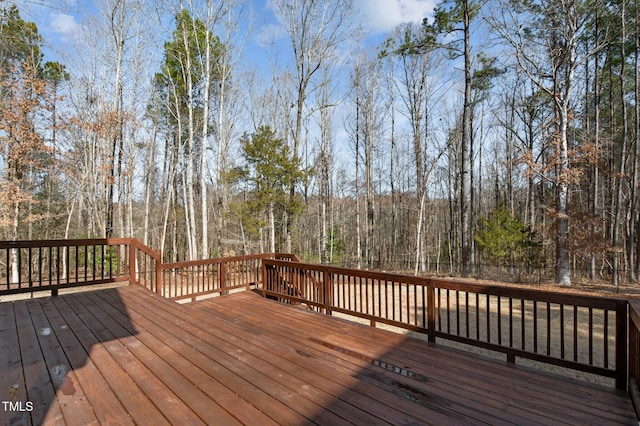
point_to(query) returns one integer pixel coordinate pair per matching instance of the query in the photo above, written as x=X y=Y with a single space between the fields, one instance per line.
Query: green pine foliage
x=504 y=240
x=268 y=173
x=172 y=84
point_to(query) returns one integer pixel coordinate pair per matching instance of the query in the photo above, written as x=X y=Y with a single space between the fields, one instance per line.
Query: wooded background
x=496 y=134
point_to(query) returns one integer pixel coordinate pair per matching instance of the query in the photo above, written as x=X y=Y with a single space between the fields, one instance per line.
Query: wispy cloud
x=269 y=34
x=63 y=24
x=380 y=16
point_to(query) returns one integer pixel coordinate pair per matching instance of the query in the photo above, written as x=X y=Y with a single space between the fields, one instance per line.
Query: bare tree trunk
x=188 y=185
x=148 y=186
x=272 y=230
x=204 y=214
x=117 y=29
x=465 y=183
x=392 y=181
x=635 y=214
x=615 y=279
x=563 y=266
x=357 y=184
x=595 y=180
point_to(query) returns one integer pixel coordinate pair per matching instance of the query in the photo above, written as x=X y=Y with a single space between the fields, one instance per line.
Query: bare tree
x=546 y=49
x=315 y=30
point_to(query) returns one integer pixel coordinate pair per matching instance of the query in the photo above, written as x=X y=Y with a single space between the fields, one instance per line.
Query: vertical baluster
x=39 y=266
x=415 y=304
x=448 y=311
x=548 y=329
x=58 y=265
x=386 y=299
x=477 y=316
x=30 y=267
x=590 y=336
x=425 y=306
x=499 y=305
x=575 y=333
x=76 y=262
x=438 y=308
x=488 y=310
x=466 y=313
x=605 y=335
x=457 y=312
x=368 y=282
x=535 y=326
x=562 y=342
x=511 y=322
x=8 y=263
x=393 y=300
x=102 y=256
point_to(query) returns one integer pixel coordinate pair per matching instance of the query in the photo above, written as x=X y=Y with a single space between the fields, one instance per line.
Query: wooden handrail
x=50 y=265
x=517 y=322
x=198 y=278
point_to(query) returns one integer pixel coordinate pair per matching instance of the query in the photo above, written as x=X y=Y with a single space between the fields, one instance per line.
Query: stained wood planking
x=12 y=385
x=136 y=357
x=285 y=383
x=486 y=389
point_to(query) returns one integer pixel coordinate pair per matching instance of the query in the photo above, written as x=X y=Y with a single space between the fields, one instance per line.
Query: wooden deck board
x=434 y=385
x=552 y=399
x=288 y=375
x=128 y=356
x=12 y=377
x=235 y=361
x=310 y=357
x=135 y=402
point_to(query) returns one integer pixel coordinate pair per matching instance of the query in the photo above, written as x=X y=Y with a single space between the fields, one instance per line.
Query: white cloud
x=64 y=24
x=380 y=16
x=269 y=34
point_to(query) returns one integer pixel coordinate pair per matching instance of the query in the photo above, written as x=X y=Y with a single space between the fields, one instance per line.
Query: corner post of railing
x=132 y=262
x=327 y=281
x=159 y=283
x=223 y=277
x=264 y=278
x=431 y=311
x=622 y=327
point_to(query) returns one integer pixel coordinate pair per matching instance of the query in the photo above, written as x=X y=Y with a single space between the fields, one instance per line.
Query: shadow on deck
x=47 y=373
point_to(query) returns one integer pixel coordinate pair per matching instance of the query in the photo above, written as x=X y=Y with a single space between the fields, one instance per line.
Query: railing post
x=431 y=311
x=223 y=277
x=132 y=261
x=159 y=283
x=327 y=281
x=622 y=327
x=264 y=278
x=246 y=273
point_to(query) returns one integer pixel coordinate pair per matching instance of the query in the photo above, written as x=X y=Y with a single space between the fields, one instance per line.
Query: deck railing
x=147 y=270
x=193 y=279
x=50 y=265
x=574 y=331
x=585 y=333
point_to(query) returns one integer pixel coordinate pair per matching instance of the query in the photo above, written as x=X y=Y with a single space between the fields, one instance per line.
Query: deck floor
x=127 y=356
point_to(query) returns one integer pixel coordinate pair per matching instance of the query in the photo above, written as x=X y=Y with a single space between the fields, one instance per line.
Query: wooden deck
x=128 y=356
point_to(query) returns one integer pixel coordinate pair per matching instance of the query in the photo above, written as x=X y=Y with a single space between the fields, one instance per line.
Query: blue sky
x=59 y=20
